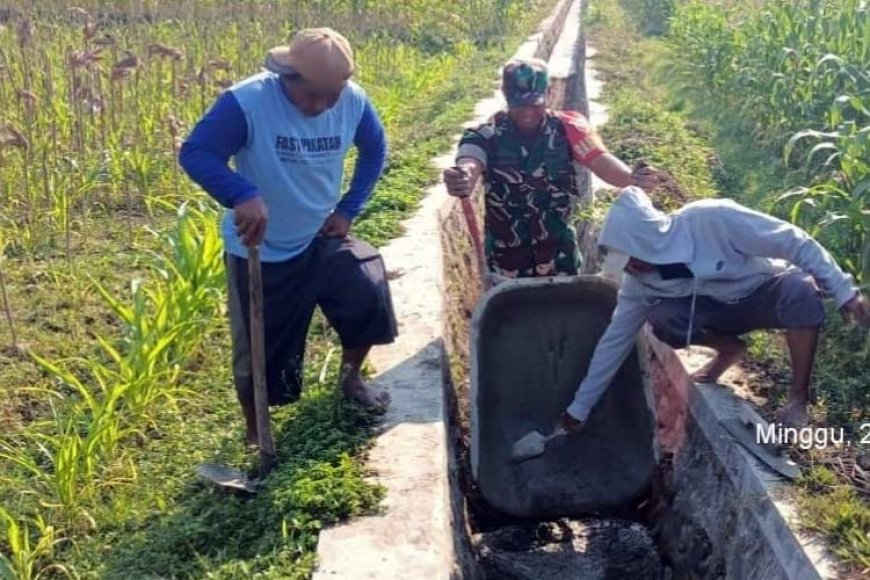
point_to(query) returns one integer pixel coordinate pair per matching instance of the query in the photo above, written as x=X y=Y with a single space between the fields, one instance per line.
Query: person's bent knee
x=800 y=303
x=669 y=321
x=665 y=334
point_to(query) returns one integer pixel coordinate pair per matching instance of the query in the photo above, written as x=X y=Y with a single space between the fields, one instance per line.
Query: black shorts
x=345 y=277
x=787 y=300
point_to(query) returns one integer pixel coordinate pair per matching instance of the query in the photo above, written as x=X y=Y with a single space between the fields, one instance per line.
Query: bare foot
x=794 y=414
x=372 y=399
x=725 y=358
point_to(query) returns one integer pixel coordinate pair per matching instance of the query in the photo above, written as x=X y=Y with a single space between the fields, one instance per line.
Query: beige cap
x=320 y=55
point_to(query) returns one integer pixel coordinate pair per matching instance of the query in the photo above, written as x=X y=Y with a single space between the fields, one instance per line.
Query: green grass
x=642 y=124
x=840 y=513
x=129 y=504
x=192 y=531
x=796 y=73
x=653 y=92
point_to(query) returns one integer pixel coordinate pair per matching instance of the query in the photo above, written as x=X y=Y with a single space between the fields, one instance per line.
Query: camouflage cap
x=524 y=82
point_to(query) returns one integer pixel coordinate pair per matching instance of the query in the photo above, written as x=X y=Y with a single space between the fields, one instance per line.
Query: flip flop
x=743 y=430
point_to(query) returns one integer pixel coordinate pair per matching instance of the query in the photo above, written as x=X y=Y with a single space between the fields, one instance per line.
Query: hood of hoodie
x=633 y=226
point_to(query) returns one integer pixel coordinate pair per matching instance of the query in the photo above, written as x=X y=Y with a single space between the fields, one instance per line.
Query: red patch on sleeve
x=583 y=140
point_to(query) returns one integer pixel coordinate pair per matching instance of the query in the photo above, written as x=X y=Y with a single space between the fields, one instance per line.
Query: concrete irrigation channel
x=654 y=486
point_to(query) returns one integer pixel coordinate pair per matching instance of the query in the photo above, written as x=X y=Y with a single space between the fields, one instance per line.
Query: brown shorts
x=345 y=277
x=788 y=300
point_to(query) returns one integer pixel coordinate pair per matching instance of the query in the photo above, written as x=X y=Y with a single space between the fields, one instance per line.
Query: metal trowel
x=533 y=444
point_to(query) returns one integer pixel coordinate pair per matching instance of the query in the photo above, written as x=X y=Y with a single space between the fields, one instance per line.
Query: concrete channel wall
x=722 y=512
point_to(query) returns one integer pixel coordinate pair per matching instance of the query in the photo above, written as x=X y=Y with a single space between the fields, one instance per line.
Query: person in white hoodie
x=707 y=274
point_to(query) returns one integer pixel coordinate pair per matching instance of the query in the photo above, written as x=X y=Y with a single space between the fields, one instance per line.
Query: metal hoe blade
x=227 y=477
x=743 y=429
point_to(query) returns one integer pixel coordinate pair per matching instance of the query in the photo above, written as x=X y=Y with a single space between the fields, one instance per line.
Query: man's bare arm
x=612 y=170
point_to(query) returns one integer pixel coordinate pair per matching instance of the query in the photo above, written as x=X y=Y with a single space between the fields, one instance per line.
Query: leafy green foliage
x=641 y=124
x=797 y=72
x=843 y=517
x=114 y=270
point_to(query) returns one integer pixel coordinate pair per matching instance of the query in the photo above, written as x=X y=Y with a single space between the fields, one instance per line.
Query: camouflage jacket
x=531 y=186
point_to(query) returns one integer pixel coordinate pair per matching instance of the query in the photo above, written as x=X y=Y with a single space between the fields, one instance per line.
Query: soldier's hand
x=250 y=218
x=647 y=177
x=644 y=178
x=458 y=181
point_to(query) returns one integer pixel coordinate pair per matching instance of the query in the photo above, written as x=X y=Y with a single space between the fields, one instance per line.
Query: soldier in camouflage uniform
x=527 y=156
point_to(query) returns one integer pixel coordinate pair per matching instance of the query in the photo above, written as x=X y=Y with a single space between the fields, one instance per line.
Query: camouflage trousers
x=533 y=247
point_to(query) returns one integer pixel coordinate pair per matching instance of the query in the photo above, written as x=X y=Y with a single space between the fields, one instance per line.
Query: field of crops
x=114 y=359
x=798 y=72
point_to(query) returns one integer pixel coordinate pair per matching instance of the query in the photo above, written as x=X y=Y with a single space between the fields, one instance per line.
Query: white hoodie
x=730 y=249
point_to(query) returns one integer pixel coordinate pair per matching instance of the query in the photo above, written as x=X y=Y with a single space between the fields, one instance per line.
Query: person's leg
x=792 y=301
x=356 y=300
x=802 y=344
x=670 y=323
x=289 y=290
x=252 y=437
x=800 y=310
x=508 y=245
x=729 y=351
x=555 y=247
x=352 y=384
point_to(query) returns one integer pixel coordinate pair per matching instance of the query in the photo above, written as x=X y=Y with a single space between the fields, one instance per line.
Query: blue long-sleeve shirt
x=294 y=162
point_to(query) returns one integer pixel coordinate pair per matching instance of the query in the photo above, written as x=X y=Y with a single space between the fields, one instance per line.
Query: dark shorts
x=788 y=300
x=345 y=277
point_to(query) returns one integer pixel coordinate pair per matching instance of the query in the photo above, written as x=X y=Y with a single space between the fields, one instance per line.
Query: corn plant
x=796 y=71
x=839 y=204
x=120 y=395
x=163 y=320
x=26 y=560
x=68 y=457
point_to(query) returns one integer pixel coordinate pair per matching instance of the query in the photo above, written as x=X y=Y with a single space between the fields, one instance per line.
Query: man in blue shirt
x=289 y=129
